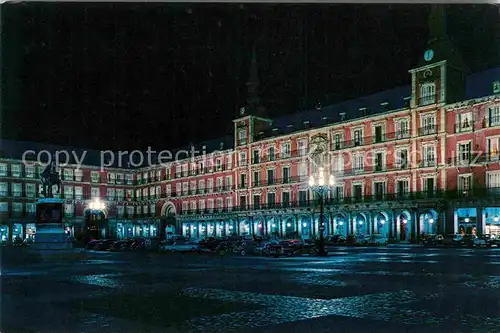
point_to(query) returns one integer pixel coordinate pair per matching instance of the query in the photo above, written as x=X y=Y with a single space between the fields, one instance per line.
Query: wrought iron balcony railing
x=476 y=193
x=427 y=130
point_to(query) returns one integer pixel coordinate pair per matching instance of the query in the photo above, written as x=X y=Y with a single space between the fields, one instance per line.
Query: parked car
x=138 y=244
x=117 y=246
x=350 y=240
x=492 y=240
x=180 y=247
x=104 y=244
x=90 y=245
x=432 y=240
x=362 y=239
x=377 y=239
x=336 y=240
x=455 y=240
x=272 y=249
x=209 y=244
x=246 y=247
x=480 y=241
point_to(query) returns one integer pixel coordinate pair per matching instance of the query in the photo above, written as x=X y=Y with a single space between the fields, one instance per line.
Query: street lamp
x=97 y=204
x=319 y=186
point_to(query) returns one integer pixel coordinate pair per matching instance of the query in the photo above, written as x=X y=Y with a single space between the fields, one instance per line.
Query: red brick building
x=416 y=159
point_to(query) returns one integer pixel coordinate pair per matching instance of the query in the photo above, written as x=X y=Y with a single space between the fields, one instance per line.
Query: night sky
x=127 y=76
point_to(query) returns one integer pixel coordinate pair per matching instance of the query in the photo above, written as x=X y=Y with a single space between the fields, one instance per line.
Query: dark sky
x=125 y=76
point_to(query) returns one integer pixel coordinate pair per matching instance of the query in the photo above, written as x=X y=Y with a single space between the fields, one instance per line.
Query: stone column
x=312 y=226
x=298 y=224
x=347 y=224
x=416 y=227
x=481 y=220
x=392 y=224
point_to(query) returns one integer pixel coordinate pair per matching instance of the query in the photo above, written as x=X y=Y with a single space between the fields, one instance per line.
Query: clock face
x=428 y=55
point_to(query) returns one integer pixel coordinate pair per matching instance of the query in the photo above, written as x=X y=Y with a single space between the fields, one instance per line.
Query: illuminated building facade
x=417 y=159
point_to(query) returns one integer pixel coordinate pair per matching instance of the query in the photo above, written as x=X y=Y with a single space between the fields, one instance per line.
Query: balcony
x=402 y=134
x=428 y=163
x=427 y=100
x=279 y=181
x=464 y=128
x=427 y=130
x=467 y=160
x=369 y=140
x=491 y=121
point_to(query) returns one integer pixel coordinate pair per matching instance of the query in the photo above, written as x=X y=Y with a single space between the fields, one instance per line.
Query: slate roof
x=16 y=149
x=477 y=85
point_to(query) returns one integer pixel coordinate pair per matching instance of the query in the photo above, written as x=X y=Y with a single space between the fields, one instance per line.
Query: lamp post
x=96 y=206
x=321 y=188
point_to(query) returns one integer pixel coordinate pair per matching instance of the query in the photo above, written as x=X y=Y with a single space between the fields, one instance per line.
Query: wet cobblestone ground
x=353 y=290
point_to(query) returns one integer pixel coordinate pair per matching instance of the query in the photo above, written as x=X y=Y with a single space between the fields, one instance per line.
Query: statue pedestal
x=49 y=228
x=51 y=236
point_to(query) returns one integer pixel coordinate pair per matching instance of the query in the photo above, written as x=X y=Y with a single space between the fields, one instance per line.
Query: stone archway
x=326 y=223
x=339 y=224
x=259 y=226
x=168 y=209
x=404 y=225
x=273 y=227
x=168 y=221
x=306 y=226
x=360 y=224
x=382 y=224
x=290 y=227
x=428 y=222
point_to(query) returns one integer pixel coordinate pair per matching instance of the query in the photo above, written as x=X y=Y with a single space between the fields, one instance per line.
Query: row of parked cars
x=114 y=245
x=360 y=240
x=241 y=246
x=234 y=244
x=459 y=240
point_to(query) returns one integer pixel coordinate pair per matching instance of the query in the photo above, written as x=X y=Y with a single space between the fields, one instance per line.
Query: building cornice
x=472 y=102
x=423 y=68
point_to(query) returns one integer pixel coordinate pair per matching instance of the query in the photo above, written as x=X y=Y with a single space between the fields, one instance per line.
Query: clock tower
x=441 y=72
x=251 y=117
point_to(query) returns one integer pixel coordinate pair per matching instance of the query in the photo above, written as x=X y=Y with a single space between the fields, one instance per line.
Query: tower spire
x=253 y=99
x=437 y=23
x=440 y=46
x=253 y=105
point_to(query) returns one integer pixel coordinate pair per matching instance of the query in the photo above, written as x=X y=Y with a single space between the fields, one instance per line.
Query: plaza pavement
x=404 y=289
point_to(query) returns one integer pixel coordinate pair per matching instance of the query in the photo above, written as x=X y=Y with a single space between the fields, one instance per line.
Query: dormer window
x=496 y=87
x=385 y=106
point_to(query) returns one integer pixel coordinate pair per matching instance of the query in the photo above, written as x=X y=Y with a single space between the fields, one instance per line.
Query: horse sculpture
x=50 y=177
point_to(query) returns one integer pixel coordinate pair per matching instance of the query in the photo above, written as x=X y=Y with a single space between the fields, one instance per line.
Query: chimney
x=221 y=146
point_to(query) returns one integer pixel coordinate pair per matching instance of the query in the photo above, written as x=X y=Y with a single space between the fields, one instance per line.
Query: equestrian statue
x=50 y=177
